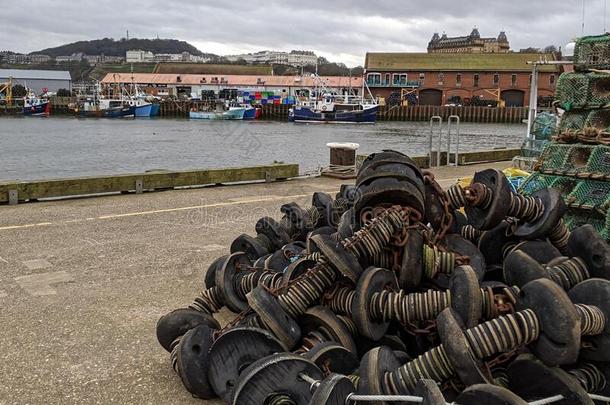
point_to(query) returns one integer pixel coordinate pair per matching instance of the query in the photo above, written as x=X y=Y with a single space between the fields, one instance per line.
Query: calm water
x=38 y=148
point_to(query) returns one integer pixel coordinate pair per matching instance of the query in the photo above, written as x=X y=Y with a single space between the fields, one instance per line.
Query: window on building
x=496 y=79
x=441 y=77
x=422 y=76
x=552 y=79
x=513 y=80
x=399 y=79
x=476 y=80
x=373 y=78
x=458 y=79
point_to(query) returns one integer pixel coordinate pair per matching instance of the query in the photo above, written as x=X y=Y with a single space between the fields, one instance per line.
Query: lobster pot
x=592 y=52
x=343 y=154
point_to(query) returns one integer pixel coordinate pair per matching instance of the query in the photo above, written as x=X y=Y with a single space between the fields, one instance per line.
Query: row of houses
x=36 y=59
x=292 y=58
x=140 y=56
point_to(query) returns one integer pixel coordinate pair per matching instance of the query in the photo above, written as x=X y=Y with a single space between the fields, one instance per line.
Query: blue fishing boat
x=142 y=107
x=33 y=105
x=337 y=114
x=119 y=112
x=116 y=108
x=325 y=107
x=155 y=109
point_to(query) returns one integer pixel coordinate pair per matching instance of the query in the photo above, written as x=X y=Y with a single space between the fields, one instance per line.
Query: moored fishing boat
x=323 y=106
x=334 y=114
x=222 y=112
x=33 y=105
x=142 y=107
x=155 y=109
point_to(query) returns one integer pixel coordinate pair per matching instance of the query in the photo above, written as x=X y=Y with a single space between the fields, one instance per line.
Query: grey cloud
x=341 y=30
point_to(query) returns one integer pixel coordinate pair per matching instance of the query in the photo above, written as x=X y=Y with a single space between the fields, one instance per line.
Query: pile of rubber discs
x=398 y=290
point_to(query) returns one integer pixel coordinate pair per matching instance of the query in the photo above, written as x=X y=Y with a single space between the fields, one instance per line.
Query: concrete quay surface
x=83 y=282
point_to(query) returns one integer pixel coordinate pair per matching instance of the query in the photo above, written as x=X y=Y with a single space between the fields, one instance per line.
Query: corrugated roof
x=231 y=80
x=24 y=74
x=456 y=61
x=209 y=69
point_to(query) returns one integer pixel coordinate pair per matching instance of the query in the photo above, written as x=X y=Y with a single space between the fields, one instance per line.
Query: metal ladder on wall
x=453 y=132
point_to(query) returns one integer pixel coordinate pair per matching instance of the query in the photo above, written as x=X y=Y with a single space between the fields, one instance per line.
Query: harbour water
x=42 y=148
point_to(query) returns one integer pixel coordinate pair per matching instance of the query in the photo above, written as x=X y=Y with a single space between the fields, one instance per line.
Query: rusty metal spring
x=302 y=294
x=495 y=305
x=436 y=261
x=526 y=208
x=406 y=308
x=313 y=338
x=590 y=377
x=384 y=260
x=569 y=273
x=270 y=279
x=470 y=233
x=209 y=301
x=456 y=196
x=369 y=241
x=279 y=399
x=316 y=256
x=592 y=319
x=487 y=198
x=341 y=300
x=174 y=348
x=349 y=323
x=503 y=333
x=492 y=337
x=559 y=236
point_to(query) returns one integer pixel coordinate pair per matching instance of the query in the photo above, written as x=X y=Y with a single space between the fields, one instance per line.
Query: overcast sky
x=341 y=30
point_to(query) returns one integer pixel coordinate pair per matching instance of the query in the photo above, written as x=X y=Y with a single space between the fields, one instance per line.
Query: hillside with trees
x=111 y=47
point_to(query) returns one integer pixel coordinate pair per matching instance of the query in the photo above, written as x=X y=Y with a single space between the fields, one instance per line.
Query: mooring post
x=13 y=197
x=139 y=186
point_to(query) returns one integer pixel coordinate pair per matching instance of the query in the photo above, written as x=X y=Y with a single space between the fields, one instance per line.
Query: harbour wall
x=13 y=192
x=180 y=109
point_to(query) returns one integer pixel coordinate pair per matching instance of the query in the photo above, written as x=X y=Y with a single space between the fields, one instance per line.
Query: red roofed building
x=169 y=84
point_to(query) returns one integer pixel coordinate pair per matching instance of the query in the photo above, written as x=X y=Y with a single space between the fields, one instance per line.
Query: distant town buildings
x=37 y=59
x=292 y=58
x=472 y=43
x=140 y=56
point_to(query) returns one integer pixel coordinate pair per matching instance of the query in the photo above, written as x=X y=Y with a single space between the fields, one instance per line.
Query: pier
x=83 y=282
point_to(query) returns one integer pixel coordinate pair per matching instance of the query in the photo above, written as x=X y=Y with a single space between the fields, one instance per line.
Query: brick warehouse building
x=438 y=78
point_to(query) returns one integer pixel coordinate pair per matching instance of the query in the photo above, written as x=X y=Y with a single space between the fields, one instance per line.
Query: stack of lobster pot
x=396 y=287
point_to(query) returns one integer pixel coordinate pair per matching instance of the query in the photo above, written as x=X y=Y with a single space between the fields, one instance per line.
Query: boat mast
x=362 y=92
